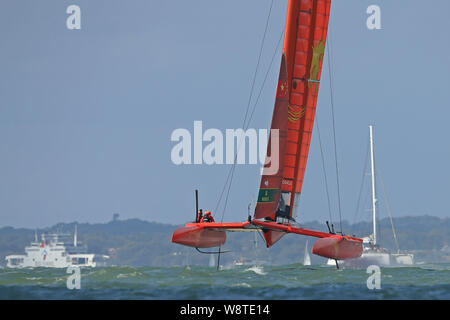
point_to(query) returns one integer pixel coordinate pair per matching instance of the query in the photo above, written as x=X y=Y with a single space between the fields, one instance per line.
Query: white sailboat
x=373 y=254
x=306 y=258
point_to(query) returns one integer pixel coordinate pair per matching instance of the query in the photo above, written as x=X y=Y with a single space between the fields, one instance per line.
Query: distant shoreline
x=136 y=242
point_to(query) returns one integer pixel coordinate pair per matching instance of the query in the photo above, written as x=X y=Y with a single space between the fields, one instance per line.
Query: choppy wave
x=257 y=269
x=431 y=281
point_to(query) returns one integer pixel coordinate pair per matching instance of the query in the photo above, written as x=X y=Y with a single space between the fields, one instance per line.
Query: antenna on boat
x=35 y=235
x=196 y=201
x=197 y=216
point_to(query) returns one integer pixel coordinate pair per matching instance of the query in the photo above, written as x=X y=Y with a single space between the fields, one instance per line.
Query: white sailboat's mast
x=374 y=199
x=75 y=238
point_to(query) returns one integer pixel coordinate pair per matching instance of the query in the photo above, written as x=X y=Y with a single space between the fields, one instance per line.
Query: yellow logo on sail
x=317 y=58
x=294 y=113
x=318 y=52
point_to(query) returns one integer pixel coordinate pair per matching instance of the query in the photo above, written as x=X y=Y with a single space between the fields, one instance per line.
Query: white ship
x=373 y=254
x=53 y=251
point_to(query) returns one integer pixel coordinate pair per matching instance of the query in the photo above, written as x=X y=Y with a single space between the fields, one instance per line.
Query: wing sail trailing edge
x=272 y=175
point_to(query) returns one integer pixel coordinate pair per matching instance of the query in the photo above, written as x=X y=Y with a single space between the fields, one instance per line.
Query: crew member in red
x=207 y=217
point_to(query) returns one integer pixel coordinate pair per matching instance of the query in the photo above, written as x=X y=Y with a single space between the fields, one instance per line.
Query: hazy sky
x=86 y=115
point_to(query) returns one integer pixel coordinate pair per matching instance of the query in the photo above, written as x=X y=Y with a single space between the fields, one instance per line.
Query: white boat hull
x=381 y=259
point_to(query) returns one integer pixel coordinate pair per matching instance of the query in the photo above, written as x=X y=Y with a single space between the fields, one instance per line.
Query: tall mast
x=374 y=199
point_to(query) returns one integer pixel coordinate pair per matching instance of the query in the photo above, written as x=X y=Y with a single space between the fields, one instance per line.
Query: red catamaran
x=293 y=119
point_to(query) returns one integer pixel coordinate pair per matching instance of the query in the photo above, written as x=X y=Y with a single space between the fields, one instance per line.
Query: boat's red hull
x=207 y=235
x=338 y=247
x=199 y=237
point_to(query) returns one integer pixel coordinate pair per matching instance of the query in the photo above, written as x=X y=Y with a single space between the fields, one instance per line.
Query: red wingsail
x=304 y=47
x=303 y=51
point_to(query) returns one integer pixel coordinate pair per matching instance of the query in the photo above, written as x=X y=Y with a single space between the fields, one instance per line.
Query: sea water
x=278 y=282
